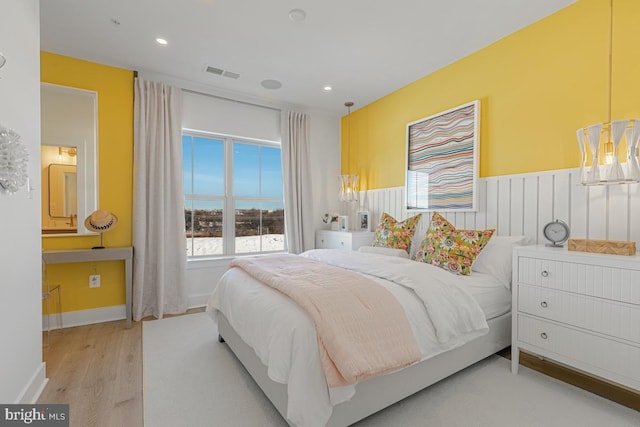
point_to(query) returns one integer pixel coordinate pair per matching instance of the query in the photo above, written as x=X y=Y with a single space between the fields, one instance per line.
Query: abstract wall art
x=442 y=157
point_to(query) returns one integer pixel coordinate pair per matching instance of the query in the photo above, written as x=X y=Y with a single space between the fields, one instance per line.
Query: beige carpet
x=191 y=380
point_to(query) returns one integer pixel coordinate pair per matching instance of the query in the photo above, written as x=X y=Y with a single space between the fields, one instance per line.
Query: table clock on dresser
x=579 y=309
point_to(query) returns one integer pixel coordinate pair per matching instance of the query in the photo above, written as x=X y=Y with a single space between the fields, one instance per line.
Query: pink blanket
x=362 y=329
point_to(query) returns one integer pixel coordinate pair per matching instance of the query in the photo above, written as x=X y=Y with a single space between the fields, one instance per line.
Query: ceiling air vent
x=231 y=75
x=214 y=70
x=221 y=72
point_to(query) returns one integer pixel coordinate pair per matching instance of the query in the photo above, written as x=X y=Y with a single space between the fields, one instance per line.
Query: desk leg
x=128 y=271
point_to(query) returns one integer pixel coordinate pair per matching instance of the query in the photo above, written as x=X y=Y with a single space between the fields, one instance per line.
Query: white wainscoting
x=522 y=204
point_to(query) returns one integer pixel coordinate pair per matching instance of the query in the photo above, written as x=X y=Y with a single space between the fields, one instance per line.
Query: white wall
x=21 y=366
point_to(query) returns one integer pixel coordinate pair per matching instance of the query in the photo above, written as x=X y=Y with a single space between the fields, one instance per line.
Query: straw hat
x=100 y=221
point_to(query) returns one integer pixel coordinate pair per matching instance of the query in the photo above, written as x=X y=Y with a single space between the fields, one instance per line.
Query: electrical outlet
x=94 y=281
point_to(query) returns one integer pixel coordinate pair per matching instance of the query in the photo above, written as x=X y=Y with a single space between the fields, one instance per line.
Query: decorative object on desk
x=557 y=232
x=343 y=223
x=612 y=247
x=363 y=223
x=604 y=161
x=13 y=161
x=349 y=183
x=331 y=220
x=442 y=160
x=99 y=222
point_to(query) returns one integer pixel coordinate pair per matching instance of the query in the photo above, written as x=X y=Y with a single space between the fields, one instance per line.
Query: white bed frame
x=377 y=393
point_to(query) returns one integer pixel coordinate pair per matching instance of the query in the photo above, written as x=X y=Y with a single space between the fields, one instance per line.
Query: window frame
x=228 y=199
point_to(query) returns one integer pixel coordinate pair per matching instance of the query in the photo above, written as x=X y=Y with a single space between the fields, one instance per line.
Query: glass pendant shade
x=349 y=188
x=349 y=183
x=609 y=152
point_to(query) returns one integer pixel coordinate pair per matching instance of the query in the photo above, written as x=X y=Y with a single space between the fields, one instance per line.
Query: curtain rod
x=232 y=100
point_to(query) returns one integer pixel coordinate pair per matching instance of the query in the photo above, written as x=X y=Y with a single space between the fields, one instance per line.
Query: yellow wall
x=536 y=87
x=115 y=157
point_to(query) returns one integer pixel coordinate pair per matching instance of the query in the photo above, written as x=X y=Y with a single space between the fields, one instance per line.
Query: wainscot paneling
x=522 y=204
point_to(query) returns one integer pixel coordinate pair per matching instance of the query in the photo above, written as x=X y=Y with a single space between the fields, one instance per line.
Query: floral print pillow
x=393 y=234
x=451 y=249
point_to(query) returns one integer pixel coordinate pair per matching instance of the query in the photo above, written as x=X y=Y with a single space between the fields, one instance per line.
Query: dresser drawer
x=607 y=358
x=601 y=281
x=325 y=241
x=594 y=314
x=346 y=240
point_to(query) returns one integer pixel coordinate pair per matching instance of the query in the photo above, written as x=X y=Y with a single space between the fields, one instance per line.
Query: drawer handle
x=543 y=304
x=543 y=335
x=545 y=273
x=342 y=243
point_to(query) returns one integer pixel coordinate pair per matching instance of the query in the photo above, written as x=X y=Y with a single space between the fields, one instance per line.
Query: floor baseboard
x=84 y=317
x=608 y=390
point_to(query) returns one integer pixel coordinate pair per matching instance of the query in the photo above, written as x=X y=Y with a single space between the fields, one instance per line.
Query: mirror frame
x=87 y=159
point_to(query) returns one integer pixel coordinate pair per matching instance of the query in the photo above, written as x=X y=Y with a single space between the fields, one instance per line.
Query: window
x=233 y=195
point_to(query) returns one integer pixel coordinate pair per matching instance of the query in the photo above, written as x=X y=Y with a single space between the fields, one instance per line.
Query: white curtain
x=298 y=213
x=159 y=273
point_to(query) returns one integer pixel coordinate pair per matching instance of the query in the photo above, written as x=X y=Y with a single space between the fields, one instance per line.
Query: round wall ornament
x=13 y=161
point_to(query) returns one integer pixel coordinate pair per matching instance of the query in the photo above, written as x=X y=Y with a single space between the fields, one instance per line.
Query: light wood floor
x=97 y=370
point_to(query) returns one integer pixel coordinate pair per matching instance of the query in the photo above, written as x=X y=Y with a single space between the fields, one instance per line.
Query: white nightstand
x=579 y=309
x=347 y=240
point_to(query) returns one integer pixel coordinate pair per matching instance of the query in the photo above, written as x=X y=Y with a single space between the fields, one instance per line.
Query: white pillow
x=496 y=257
x=384 y=251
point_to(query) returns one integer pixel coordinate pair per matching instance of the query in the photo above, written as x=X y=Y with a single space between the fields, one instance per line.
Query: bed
x=275 y=339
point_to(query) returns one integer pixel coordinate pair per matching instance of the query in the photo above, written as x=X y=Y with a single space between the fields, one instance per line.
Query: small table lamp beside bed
x=454 y=302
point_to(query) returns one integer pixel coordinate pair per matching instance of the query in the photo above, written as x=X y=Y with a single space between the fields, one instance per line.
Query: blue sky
x=252 y=165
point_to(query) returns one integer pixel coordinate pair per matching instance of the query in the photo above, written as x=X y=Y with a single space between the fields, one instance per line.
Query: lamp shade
x=349 y=188
x=609 y=152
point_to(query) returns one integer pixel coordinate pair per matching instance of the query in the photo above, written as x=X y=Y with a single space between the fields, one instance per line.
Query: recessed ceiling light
x=297 y=15
x=271 y=84
x=162 y=41
x=328 y=88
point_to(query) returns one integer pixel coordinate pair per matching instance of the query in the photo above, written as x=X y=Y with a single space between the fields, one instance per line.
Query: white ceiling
x=364 y=49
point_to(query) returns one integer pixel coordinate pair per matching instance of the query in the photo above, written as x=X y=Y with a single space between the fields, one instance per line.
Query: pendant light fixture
x=349 y=183
x=605 y=160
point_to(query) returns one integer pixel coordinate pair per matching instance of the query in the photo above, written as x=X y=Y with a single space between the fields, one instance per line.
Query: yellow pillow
x=451 y=249
x=393 y=234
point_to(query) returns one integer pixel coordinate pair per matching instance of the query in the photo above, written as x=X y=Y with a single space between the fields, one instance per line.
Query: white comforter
x=441 y=313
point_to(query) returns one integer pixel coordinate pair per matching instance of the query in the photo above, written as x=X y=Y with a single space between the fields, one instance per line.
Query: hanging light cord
x=348 y=104
x=610 y=63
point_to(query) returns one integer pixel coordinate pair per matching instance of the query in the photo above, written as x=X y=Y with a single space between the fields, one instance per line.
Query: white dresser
x=347 y=240
x=579 y=309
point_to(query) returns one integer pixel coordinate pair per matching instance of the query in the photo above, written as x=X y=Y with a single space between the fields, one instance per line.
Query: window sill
x=209 y=262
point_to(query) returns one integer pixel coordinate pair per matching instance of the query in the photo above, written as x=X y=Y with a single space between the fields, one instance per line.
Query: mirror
x=69 y=158
x=63 y=195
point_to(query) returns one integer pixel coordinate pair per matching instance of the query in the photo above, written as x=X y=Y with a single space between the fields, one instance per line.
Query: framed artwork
x=343 y=223
x=442 y=160
x=363 y=223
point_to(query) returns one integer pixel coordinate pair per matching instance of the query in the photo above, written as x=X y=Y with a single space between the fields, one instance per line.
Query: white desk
x=67 y=256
